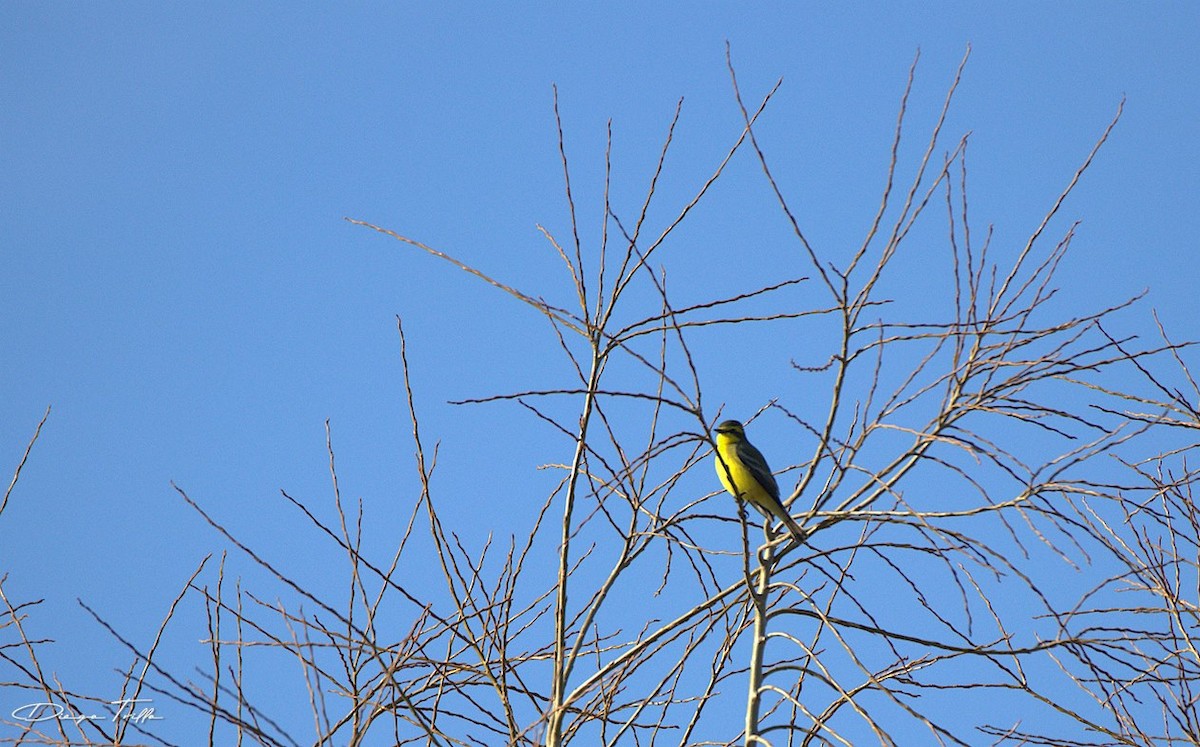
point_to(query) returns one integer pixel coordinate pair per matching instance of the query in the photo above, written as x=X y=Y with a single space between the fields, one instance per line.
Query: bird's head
x=731 y=429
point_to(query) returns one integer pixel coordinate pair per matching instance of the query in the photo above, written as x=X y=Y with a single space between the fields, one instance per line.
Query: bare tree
x=978 y=446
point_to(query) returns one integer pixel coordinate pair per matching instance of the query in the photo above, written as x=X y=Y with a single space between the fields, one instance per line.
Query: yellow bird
x=745 y=474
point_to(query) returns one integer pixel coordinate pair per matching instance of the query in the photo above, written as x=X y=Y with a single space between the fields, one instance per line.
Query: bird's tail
x=797 y=533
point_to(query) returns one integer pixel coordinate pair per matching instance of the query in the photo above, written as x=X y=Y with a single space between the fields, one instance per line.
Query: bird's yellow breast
x=728 y=463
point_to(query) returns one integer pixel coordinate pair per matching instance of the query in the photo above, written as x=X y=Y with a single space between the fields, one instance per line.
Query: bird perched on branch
x=745 y=474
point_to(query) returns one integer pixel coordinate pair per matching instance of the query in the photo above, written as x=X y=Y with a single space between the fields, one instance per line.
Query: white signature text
x=128 y=709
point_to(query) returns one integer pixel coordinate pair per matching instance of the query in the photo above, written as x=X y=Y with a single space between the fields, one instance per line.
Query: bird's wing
x=757 y=464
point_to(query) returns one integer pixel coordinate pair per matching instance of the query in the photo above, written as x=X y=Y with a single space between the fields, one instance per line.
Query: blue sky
x=178 y=282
